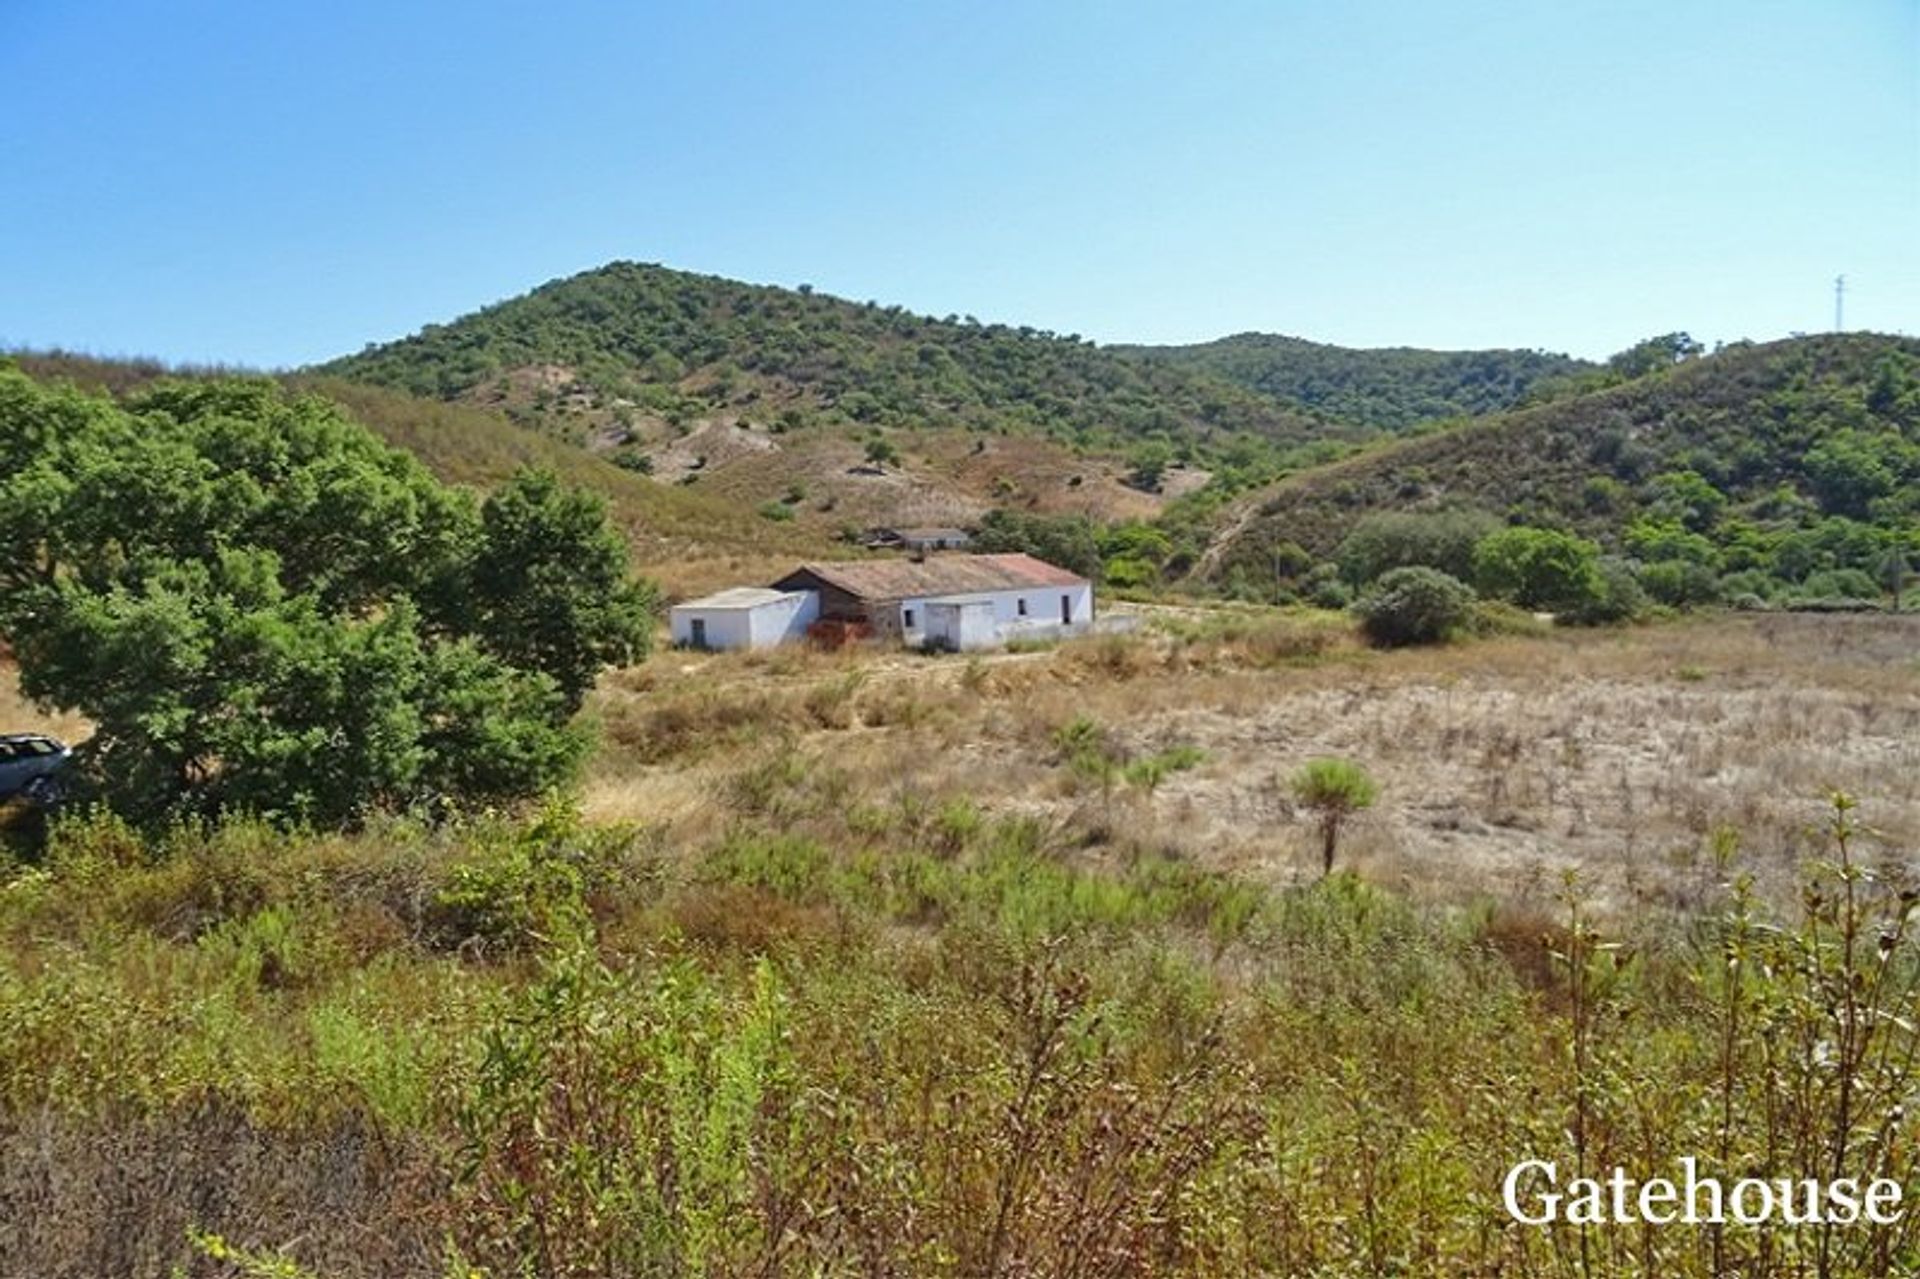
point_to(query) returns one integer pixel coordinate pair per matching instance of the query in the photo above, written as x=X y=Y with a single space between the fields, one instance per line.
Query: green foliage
x=881 y=452
x=1655 y=354
x=1655 y=539
x=1839 y=584
x=1070 y=541
x=1790 y=457
x=1680 y=583
x=1851 y=469
x=261 y=607
x=1150 y=462
x=1688 y=497
x=1390 y=390
x=548 y=588
x=1415 y=606
x=648 y=334
x=1442 y=540
x=949 y=1045
x=1333 y=790
x=1539 y=569
x=1619 y=598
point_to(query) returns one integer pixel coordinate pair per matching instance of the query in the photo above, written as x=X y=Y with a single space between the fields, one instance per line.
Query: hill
x=684 y=537
x=1784 y=458
x=1389 y=389
x=612 y=352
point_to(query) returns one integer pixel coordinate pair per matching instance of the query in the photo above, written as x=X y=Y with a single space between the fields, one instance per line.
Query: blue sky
x=272 y=184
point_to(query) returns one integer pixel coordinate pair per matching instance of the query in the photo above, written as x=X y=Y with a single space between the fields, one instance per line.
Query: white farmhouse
x=958 y=602
x=961 y=602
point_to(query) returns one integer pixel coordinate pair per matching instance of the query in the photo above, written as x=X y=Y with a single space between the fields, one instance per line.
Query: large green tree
x=261 y=606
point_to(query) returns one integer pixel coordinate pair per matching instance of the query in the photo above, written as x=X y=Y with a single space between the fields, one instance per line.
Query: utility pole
x=1839 y=303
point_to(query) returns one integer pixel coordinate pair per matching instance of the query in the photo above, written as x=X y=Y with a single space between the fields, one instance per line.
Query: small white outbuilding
x=744 y=617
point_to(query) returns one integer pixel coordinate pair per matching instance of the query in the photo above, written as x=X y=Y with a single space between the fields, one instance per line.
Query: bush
x=1444 y=540
x=1755 y=582
x=1681 y=583
x=1324 y=589
x=1415 y=606
x=1620 y=598
x=1333 y=790
x=1539 y=568
x=1838 y=584
x=1497 y=617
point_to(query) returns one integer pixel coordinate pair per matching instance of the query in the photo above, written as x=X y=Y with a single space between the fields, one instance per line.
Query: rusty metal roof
x=938 y=575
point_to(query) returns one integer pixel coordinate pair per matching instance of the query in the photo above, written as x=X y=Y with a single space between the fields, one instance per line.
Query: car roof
x=16 y=738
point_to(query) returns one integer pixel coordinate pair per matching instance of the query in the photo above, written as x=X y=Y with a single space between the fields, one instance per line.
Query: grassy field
x=878 y=964
x=1503 y=763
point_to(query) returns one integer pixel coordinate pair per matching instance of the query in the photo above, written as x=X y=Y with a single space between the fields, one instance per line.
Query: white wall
x=1043 y=610
x=761 y=626
x=785 y=621
x=961 y=627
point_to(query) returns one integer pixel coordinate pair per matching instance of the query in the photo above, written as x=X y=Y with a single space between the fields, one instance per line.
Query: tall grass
x=860 y=1034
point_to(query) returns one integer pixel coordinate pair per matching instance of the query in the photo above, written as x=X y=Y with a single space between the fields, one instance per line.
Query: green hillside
x=1391 y=389
x=1783 y=460
x=629 y=342
x=688 y=538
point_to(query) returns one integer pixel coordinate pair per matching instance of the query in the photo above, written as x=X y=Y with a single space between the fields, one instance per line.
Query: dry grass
x=1502 y=764
x=18 y=715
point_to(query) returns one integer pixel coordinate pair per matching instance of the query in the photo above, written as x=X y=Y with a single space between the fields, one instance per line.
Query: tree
x=1334 y=790
x=880 y=452
x=1150 y=463
x=1849 y=469
x=1538 y=568
x=1443 y=539
x=1620 y=598
x=1415 y=606
x=262 y=607
x=1071 y=541
x=1689 y=497
x=1680 y=583
x=549 y=590
x=1654 y=354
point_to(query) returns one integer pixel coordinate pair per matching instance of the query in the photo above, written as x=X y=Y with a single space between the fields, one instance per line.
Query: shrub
x=1754 y=582
x=1415 y=606
x=1497 y=617
x=1324 y=589
x=1444 y=540
x=1334 y=789
x=1680 y=583
x=1619 y=599
x=1839 y=584
x=1538 y=568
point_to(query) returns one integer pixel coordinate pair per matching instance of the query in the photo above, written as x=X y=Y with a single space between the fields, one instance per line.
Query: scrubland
x=1504 y=763
x=853 y=964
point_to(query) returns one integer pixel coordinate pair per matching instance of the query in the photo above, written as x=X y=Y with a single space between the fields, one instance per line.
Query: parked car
x=30 y=767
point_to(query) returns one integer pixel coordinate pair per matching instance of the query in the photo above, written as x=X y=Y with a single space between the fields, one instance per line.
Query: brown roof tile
x=940 y=575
